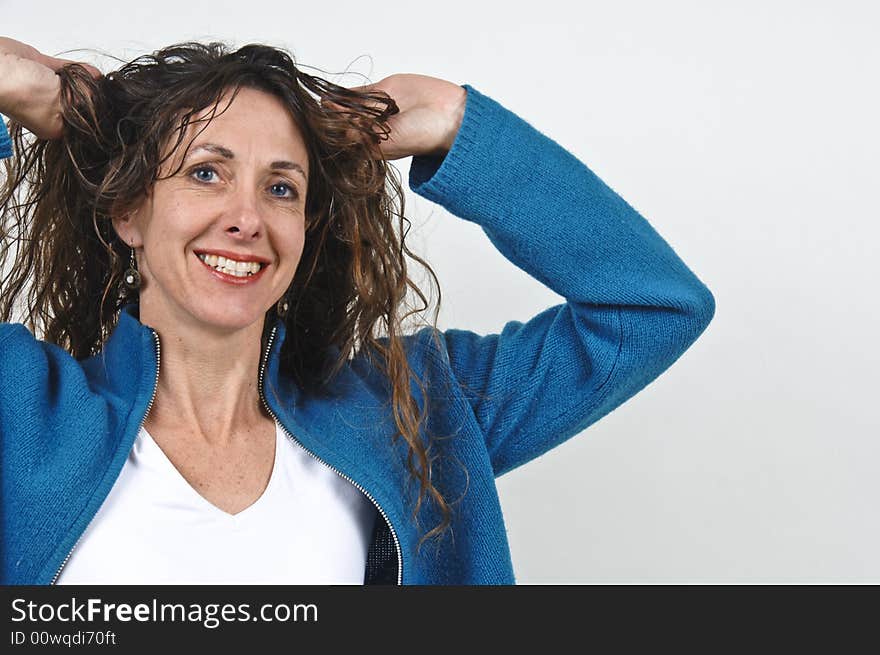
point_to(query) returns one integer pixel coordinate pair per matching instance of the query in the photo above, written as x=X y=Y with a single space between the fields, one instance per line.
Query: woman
x=224 y=391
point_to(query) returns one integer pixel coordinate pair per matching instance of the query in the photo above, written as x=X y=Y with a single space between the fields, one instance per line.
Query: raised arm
x=632 y=306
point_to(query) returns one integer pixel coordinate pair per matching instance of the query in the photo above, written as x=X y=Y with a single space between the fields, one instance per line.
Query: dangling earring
x=131 y=278
x=282 y=307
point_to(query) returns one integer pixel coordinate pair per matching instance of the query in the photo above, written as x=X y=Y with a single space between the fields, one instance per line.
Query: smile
x=231 y=270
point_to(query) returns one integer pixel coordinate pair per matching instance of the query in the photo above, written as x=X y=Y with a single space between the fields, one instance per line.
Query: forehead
x=254 y=125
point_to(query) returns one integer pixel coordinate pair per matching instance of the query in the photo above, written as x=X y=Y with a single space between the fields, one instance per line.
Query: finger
x=331 y=105
x=56 y=63
x=335 y=106
x=26 y=51
x=376 y=87
x=356 y=89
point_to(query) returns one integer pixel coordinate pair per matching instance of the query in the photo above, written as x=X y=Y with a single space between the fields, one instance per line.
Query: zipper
x=143 y=420
x=332 y=468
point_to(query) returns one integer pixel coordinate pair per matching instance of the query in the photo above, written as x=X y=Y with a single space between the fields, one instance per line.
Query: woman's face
x=240 y=197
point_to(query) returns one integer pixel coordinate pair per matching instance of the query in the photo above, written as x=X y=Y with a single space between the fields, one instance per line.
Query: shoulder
x=24 y=358
x=41 y=385
x=425 y=351
x=60 y=418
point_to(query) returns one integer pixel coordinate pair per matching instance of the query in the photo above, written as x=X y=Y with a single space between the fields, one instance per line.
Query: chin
x=241 y=320
x=224 y=311
x=229 y=316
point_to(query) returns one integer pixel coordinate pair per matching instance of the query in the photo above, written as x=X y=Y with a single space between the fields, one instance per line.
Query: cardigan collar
x=134 y=350
x=348 y=426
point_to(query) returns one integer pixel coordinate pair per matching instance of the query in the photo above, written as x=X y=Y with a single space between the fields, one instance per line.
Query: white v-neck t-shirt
x=310 y=526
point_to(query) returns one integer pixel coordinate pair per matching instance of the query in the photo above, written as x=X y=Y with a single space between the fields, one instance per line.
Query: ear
x=127 y=228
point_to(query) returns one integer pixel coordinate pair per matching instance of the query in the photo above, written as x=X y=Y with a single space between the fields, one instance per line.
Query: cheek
x=291 y=244
x=165 y=245
x=172 y=226
x=293 y=254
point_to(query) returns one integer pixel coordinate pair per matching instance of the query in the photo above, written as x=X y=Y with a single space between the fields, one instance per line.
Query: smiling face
x=240 y=196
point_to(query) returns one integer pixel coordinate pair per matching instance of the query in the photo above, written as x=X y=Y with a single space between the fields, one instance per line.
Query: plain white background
x=747 y=135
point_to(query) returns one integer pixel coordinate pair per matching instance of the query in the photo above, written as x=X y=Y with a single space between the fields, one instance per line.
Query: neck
x=208 y=380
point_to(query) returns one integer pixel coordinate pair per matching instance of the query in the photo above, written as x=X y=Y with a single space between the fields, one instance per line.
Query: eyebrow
x=226 y=153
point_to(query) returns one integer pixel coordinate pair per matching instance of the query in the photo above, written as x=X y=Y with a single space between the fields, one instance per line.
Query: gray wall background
x=747 y=135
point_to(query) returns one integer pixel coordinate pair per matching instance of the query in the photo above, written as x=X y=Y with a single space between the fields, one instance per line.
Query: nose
x=244 y=222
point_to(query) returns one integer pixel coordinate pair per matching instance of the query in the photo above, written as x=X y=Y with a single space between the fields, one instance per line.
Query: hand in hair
x=30 y=92
x=431 y=110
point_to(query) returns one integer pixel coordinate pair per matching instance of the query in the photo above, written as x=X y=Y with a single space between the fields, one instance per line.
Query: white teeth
x=230 y=266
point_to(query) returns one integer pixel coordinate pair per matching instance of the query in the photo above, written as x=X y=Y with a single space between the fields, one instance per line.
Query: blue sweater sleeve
x=5 y=145
x=632 y=306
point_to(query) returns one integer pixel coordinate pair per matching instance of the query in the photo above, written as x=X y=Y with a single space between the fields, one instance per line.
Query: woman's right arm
x=30 y=91
x=5 y=145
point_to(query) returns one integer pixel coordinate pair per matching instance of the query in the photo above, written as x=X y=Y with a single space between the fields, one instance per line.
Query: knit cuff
x=439 y=178
x=5 y=143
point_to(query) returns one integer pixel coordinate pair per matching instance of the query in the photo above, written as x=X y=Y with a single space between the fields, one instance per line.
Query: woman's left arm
x=632 y=305
x=431 y=111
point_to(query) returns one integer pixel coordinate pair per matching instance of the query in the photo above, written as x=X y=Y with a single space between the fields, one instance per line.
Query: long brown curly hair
x=349 y=290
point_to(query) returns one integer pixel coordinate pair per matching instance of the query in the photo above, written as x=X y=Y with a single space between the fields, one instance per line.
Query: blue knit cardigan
x=632 y=308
